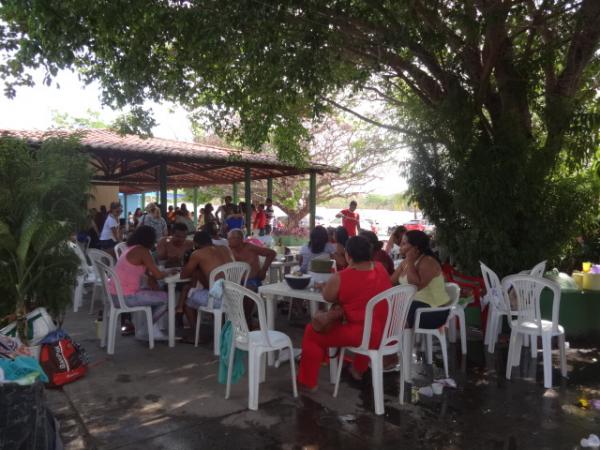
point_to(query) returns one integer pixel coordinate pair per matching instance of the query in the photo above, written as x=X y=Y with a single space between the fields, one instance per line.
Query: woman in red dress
x=352 y=288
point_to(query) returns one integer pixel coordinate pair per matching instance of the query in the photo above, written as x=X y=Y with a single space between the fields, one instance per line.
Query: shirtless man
x=203 y=260
x=249 y=253
x=172 y=248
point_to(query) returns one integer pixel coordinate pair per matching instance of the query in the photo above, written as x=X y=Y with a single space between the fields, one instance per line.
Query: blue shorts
x=253 y=284
x=197 y=297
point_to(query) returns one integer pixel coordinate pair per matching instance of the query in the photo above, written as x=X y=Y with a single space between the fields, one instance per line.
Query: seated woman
x=318 y=247
x=136 y=261
x=421 y=268
x=352 y=288
x=378 y=254
x=394 y=239
x=340 y=237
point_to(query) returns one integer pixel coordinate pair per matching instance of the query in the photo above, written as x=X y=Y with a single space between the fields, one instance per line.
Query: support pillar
x=143 y=200
x=175 y=198
x=163 y=188
x=125 y=212
x=234 y=194
x=270 y=188
x=195 y=206
x=312 y=199
x=248 y=199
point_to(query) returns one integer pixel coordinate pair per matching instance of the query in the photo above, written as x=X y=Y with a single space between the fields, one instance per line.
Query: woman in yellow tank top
x=421 y=268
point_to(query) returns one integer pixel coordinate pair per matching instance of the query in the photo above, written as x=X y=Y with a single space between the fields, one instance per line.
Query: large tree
x=498 y=98
x=359 y=150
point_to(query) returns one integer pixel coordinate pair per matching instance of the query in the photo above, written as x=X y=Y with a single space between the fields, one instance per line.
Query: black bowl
x=297 y=282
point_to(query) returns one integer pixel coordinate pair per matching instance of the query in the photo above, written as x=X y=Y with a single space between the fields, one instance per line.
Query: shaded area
x=169 y=399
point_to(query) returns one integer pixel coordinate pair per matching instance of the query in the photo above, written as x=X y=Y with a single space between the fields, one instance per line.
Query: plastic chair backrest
x=538 y=270
x=453 y=291
x=398 y=301
x=528 y=291
x=98 y=255
x=120 y=248
x=237 y=272
x=84 y=264
x=85 y=245
x=108 y=275
x=495 y=293
x=233 y=302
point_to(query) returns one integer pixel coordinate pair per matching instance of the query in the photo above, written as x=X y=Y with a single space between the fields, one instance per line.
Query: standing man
x=270 y=213
x=224 y=211
x=350 y=219
x=260 y=220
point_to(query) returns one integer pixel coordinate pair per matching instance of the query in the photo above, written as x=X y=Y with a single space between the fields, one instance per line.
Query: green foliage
x=43 y=196
x=497 y=99
x=92 y=119
x=207 y=194
x=137 y=121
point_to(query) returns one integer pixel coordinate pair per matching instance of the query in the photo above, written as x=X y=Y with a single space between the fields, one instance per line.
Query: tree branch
x=367 y=119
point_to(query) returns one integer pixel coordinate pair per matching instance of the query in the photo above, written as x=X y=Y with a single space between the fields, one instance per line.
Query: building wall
x=103 y=195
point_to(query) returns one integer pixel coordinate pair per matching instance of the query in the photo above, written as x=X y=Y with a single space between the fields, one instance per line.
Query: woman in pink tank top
x=133 y=264
x=352 y=288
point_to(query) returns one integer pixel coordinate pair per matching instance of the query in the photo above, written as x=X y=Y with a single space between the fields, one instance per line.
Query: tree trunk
x=294 y=216
x=294 y=219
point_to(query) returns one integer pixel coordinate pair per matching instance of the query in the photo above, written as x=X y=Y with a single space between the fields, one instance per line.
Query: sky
x=33 y=107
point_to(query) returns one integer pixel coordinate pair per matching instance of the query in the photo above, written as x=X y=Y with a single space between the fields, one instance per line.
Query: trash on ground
x=446 y=382
x=348 y=418
x=591 y=441
x=427 y=391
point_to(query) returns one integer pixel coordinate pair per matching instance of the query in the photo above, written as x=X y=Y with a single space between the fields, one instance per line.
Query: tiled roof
x=132 y=161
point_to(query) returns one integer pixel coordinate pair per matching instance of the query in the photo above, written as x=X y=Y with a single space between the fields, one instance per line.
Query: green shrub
x=43 y=196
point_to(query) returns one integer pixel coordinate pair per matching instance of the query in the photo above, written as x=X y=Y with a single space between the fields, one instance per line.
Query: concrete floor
x=170 y=399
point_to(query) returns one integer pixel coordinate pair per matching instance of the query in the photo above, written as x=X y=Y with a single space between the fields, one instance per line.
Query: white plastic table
x=282 y=289
x=277 y=268
x=171 y=282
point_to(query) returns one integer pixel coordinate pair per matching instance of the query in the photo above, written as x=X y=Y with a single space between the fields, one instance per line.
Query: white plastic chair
x=498 y=306
x=453 y=291
x=87 y=275
x=529 y=322
x=108 y=274
x=234 y=272
x=85 y=245
x=256 y=343
x=99 y=255
x=398 y=301
x=107 y=259
x=458 y=313
x=120 y=248
x=538 y=270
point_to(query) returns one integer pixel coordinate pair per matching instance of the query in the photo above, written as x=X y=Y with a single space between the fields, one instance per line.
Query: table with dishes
x=283 y=290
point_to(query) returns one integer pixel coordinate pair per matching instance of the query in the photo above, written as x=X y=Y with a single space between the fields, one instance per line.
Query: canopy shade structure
x=134 y=163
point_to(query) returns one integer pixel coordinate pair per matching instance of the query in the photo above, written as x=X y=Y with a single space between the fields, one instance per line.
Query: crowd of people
x=364 y=267
x=106 y=227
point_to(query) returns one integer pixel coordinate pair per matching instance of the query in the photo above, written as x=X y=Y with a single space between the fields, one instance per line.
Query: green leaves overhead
x=497 y=99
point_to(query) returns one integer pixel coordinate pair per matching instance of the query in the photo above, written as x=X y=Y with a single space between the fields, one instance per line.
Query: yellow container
x=591 y=281
x=578 y=279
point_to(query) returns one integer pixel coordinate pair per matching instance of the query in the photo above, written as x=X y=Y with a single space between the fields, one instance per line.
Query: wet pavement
x=170 y=399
